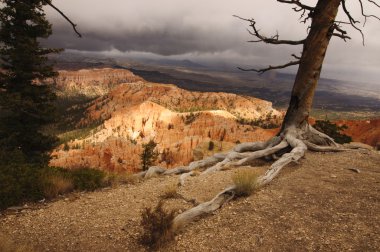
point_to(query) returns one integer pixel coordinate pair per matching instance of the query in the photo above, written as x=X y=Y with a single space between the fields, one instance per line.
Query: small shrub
x=115 y=179
x=333 y=130
x=170 y=192
x=66 y=147
x=190 y=118
x=157 y=226
x=57 y=184
x=111 y=179
x=245 y=182
x=167 y=156
x=86 y=179
x=130 y=178
x=19 y=182
x=211 y=145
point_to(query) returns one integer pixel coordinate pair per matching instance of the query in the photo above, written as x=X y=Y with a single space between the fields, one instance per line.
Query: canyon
x=125 y=112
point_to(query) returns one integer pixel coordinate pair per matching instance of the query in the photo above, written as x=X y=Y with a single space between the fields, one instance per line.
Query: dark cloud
x=166 y=41
x=206 y=31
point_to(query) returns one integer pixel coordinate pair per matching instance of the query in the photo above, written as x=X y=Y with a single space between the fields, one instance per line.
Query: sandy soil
x=319 y=205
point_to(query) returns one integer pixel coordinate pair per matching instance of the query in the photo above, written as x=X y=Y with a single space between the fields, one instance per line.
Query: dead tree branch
x=296 y=57
x=373 y=2
x=342 y=33
x=269 y=40
x=300 y=8
x=298 y=3
x=351 y=19
x=365 y=15
x=48 y=2
x=261 y=71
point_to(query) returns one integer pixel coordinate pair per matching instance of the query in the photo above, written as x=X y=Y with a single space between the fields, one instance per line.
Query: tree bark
x=310 y=67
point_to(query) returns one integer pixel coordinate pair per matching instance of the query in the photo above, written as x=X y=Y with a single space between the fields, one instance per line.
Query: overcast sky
x=205 y=31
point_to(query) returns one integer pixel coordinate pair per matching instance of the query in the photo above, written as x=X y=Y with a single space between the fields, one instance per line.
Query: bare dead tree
x=296 y=135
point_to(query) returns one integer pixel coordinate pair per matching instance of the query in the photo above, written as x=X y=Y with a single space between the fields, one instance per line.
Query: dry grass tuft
x=157 y=226
x=56 y=184
x=116 y=179
x=245 y=182
x=130 y=178
x=170 y=192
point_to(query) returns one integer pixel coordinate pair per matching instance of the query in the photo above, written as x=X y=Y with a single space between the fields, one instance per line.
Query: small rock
x=354 y=170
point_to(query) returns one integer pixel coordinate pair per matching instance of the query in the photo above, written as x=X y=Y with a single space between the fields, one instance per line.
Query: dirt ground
x=317 y=205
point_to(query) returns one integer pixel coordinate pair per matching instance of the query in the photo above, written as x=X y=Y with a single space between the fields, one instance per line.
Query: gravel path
x=319 y=205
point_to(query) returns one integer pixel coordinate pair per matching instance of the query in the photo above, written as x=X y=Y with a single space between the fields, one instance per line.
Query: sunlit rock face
x=181 y=122
x=365 y=131
x=91 y=82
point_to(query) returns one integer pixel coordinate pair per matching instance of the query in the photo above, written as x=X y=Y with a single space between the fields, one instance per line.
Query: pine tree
x=149 y=155
x=26 y=105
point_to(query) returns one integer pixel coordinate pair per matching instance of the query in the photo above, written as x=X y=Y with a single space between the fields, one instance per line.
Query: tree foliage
x=333 y=130
x=149 y=155
x=26 y=105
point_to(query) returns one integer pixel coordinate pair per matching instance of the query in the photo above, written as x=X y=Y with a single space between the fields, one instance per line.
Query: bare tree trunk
x=310 y=67
x=296 y=135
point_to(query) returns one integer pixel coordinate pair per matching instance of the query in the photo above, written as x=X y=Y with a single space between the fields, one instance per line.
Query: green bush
x=21 y=182
x=88 y=179
x=333 y=130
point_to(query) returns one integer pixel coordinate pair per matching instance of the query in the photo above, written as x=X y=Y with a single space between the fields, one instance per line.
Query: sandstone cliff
x=91 y=82
x=181 y=122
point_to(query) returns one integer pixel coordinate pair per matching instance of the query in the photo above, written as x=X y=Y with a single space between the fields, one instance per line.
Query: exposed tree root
x=205 y=208
x=288 y=147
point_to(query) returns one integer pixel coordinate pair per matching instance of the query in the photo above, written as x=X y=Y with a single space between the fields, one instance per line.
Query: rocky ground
x=317 y=205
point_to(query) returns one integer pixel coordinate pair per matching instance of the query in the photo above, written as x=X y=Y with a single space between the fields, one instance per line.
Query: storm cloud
x=206 y=31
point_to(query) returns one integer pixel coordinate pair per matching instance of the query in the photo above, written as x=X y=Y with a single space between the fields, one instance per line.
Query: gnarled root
x=205 y=208
x=289 y=146
x=298 y=140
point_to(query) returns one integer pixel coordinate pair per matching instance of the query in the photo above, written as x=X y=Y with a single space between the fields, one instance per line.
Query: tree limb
x=296 y=57
x=261 y=71
x=365 y=15
x=298 y=3
x=373 y=2
x=342 y=33
x=48 y=2
x=351 y=19
x=272 y=40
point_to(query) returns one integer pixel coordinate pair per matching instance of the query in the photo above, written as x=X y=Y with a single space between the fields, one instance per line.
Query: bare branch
x=344 y=37
x=342 y=33
x=261 y=71
x=341 y=22
x=365 y=15
x=374 y=3
x=271 y=40
x=298 y=3
x=351 y=19
x=48 y=2
x=296 y=57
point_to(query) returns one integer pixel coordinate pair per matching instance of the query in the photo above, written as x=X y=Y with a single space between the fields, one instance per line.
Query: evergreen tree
x=333 y=130
x=26 y=104
x=149 y=155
